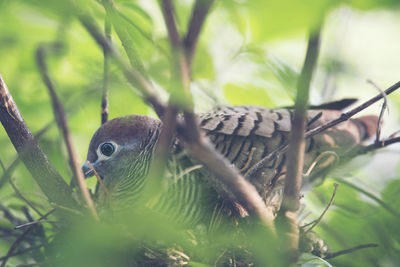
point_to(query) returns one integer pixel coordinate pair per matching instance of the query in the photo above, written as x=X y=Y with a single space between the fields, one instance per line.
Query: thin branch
x=180 y=89
x=98 y=178
x=22 y=251
x=47 y=177
x=196 y=23
x=295 y=154
x=350 y=250
x=384 y=107
x=27 y=201
x=18 y=241
x=240 y=190
x=345 y=116
x=198 y=145
x=168 y=12
x=106 y=75
x=61 y=120
x=315 y=223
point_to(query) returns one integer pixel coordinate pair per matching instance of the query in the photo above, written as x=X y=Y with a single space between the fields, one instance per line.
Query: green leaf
x=247 y=94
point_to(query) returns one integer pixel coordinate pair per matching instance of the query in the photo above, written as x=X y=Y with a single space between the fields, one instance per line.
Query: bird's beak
x=87 y=171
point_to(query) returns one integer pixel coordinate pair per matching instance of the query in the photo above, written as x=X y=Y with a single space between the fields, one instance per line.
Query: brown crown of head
x=123 y=130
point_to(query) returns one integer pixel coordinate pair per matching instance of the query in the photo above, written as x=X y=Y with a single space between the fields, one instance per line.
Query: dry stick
x=20 y=239
x=106 y=74
x=61 y=120
x=199 y=146
x=47 y=177
x=98 y=178
x=314 y=223
x=19 y=194
x=287 y=219
x=345 y=116
x=199 y=15
x=180 y=68
x=350 y=250
x=22 y=251
x=384 y=107
x=243 y=192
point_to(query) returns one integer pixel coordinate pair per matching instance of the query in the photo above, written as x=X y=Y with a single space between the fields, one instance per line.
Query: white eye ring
x=102 y=151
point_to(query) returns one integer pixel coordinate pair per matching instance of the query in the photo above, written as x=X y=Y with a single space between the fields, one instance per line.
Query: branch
x=351 y=113
x=198 y=145
x=199 y=15
x=345 y=116
x=242 y=191
x=18 y=241
x=106 y=75
x=295 y=154
x=61 y=120
x=180 y=89
x=350 y=250
x=287 y=219
x=44 y=173
x=168 y=12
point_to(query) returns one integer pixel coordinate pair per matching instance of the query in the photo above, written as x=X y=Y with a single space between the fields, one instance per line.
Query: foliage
x=244 y=56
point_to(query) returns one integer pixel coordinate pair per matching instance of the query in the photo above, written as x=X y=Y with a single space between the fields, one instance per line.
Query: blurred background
x=249 y=52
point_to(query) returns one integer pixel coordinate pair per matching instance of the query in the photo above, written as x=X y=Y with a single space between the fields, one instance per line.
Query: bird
x=121 y=150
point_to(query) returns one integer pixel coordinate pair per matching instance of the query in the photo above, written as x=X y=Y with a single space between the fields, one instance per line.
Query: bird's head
x=120 y=152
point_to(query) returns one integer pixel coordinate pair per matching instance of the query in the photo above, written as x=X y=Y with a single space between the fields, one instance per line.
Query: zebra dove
x=121 y=150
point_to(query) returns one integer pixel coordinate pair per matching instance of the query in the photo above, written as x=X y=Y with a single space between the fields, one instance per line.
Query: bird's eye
x=107 y=149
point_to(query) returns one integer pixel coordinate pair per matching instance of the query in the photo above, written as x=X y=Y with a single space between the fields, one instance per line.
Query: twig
x=98 y=178
x=199 y=15
x=168 y=12
x=198 y=145
x=287 y=218
x=180 y=68
x=61 y=120
x=20 y=239
x=31 y=223
x=347 y=251
x=47 y=177
x=315 y=223
x=22 y=251
x=106 y=74
x=295 y=154
x=19 y=194
x=381 y=113
x=345 y=116
x=240 y=190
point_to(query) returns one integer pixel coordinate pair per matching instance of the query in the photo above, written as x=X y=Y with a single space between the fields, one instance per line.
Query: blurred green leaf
x=247 y=94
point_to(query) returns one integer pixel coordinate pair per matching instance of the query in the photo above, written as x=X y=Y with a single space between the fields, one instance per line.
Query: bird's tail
x=367 y=126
